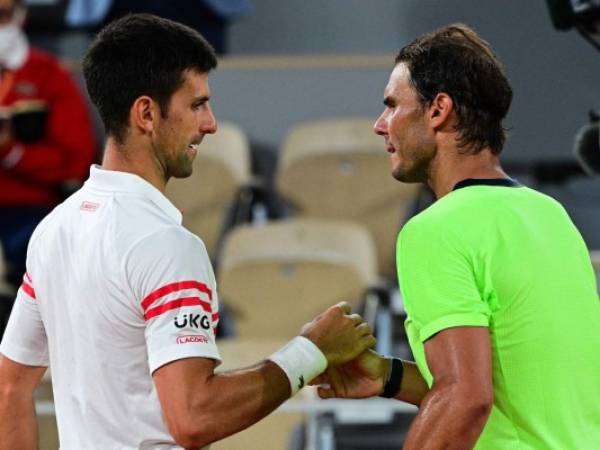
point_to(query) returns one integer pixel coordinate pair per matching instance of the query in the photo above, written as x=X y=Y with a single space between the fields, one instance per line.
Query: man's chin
x=182 y=172
x=407 y=177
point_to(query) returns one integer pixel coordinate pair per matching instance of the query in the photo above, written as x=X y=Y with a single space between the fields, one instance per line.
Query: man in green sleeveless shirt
x=501 y=298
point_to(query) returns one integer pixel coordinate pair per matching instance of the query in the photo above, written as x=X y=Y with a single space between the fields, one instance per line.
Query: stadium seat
x=46 y=419
x=221 y=171
x=272 y=432
x=276 y=277
x=338 y=169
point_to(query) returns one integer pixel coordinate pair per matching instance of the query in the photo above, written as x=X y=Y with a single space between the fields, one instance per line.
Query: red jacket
x=68 y=148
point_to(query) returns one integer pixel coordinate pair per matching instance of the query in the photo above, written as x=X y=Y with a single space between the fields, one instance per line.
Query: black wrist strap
x=392 y=385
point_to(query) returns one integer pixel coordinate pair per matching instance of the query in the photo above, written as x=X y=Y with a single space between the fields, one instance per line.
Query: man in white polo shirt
x=120 y=300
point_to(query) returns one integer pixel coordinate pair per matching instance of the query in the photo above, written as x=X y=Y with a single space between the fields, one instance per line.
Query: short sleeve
x=437 y=280
x=24 y=339
x=174 y=287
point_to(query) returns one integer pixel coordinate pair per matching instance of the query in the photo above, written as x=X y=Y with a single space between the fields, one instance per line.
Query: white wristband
x=301 y=360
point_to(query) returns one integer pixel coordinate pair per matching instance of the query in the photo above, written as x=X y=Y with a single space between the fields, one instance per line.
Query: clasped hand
x=354 y=370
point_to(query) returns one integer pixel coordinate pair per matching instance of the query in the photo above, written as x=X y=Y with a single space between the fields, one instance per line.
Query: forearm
x=370 y=375
x=18 y=424
x=230 y=402
x=202 y=407
x=413 y=387
x=449 y=418
x=246 y=396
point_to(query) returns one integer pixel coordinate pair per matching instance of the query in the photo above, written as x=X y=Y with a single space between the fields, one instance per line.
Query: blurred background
x=298 y=60
x=296 y=168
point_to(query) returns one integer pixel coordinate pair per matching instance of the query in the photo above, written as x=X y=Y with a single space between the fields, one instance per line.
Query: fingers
x=356 y=319
x=369 y=341
x=364 y=329
x=323 y=383
x=340 y=334
x=326 y=392
x=344 y=307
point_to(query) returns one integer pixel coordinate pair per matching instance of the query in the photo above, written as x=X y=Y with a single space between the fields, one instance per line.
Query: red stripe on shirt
x=215 y=319
x=28 y=290
x=174 y=287
x=27 y=278
x=174 y=304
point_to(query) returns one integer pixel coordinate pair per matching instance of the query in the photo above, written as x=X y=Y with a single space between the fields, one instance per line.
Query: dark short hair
x=455 y=60
x=141 y=54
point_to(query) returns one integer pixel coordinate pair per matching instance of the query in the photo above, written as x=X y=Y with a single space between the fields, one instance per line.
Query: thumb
x=326 y=392
x=320 y=379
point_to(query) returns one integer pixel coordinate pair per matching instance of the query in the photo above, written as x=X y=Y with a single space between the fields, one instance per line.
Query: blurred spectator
x=46 y=139
x=210 y=17
x=86 y=13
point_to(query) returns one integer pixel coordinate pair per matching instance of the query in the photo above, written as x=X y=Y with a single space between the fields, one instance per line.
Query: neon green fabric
x=509 y=258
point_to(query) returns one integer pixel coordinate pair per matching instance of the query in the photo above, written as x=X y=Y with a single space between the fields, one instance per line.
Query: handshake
x=346 y=365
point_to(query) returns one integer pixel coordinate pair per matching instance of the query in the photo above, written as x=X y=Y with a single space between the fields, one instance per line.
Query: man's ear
x=440 y=110
x=144 y=114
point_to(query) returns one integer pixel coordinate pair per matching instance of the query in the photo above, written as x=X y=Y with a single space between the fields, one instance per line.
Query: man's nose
x=380 y=126
x=210 y=126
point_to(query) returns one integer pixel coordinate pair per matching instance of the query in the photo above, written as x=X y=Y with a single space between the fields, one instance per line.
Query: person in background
x=46 y=137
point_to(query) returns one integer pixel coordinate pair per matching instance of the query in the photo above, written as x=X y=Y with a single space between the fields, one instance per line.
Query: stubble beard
x=182 y=166
x=419 y=170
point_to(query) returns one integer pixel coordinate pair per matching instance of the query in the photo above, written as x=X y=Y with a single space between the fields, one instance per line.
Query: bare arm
x=18 y=425
x=452 y=415
x=204 y=407
x=413 y=388
x=365 y=377
x=201 y=406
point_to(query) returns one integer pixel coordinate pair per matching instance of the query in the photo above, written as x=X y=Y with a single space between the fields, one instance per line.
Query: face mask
x=13 y=43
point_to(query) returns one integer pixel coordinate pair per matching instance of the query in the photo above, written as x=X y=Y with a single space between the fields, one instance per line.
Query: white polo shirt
x=115 y=288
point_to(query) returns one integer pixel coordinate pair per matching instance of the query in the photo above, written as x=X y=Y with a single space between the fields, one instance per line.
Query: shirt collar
x=507 y=182
x=117 y=181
